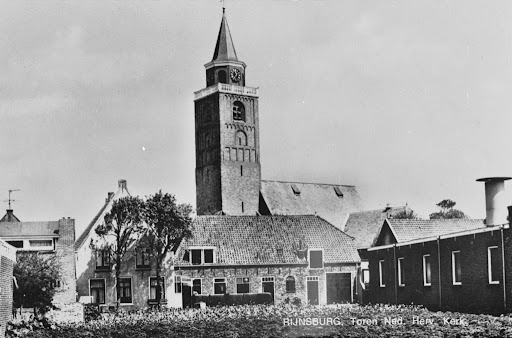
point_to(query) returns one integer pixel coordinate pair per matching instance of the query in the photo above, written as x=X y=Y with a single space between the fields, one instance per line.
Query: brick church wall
x=7 y=260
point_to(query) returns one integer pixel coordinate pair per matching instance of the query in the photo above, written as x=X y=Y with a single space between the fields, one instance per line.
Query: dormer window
x=295 y=189
x=202 y=256
x=338 y=191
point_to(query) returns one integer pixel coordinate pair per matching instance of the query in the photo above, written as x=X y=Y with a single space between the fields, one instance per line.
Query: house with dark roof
x=47 y=238
x=301 y=256
x=445 y=264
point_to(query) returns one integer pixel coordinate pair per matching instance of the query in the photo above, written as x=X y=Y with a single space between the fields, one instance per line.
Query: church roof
x=365 y=226
x=330 y=201
x=263 y=240
x=98 y=218
x=224 y=49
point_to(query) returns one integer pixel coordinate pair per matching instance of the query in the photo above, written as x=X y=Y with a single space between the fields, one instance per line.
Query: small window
x=153 y=285
x=208 y=256
x=316 y=259
x=401 y=275
x=177 y=284
x=295 y=189
x=493 y=261
x=125 y=291
x=381 y=274
x=427 y=272
x=222 y=76
x=41 y=243
x=456 y=268
x=279 y=251
x=196 y=286
x=241 y=138
x=366 y=276
x=242 y=285
x=238 y=111
x=97 y=290
x=142 y=258
x=290 y=284
x=16 y=244
x=196 y=256
x=219 y=286
x=102 y=260
x=338 y=191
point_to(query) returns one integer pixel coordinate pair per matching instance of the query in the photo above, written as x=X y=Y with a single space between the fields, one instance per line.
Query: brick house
x=7 y=260
x=454 y=265
x=289 y=256
x=47 y=238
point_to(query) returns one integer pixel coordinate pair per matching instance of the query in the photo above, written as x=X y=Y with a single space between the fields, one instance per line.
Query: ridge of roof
x=312 y=183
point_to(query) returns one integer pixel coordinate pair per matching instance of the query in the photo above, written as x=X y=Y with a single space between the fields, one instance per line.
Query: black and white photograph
x=272 y=168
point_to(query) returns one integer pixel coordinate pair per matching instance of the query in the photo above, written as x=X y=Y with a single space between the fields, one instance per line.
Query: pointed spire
x=224 y=49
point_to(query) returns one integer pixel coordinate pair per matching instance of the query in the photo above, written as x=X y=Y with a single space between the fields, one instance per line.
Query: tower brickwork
x=228 y=172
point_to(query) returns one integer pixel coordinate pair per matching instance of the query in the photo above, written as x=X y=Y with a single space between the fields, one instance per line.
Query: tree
x=405 y=214
x=447 y=211
x=167 y=224
x=37 y=276
x=120 y=231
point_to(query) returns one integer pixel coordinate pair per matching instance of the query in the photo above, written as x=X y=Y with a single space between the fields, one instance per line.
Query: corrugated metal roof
x=255 y=240
x=411 y=229
x=334 y=205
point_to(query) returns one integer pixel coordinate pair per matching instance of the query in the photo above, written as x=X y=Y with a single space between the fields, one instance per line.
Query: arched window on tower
x=240 y=138
x=238 y=111
x=222 y=76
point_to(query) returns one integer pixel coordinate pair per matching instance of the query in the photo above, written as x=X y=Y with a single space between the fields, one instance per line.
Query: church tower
x=228 y=172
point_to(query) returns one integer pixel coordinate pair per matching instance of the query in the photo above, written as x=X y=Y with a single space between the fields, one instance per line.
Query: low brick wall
x=7 y=260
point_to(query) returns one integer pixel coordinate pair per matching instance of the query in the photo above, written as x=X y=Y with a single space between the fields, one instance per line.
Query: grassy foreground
x=288 y=321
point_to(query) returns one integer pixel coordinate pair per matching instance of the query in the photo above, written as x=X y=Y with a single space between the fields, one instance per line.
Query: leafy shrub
x=91 y=312
x=234 y=299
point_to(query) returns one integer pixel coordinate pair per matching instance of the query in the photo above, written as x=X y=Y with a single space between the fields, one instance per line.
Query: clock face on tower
x=235 y=74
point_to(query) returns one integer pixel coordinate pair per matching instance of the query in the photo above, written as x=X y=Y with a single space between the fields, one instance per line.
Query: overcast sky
x=408 y=100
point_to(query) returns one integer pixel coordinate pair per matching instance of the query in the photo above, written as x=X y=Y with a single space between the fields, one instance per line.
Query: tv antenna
x=11 y=200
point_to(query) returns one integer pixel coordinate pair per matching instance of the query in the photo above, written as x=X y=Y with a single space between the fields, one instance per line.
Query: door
x=186 y=291
x=312 y=286
x=267 y=285
x=339 y=288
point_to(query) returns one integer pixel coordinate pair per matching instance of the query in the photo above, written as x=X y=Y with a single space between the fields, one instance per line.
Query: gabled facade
x=95 y=272
x=289 y=256
x=47 y=238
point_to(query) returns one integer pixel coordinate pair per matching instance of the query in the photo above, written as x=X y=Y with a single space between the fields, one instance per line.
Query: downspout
x=439 y=271
x=396 y=283
x=503 y=269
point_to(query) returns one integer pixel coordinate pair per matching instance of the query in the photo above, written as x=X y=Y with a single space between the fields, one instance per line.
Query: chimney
x=495 y=204
x=122 y=185
x=109 y=196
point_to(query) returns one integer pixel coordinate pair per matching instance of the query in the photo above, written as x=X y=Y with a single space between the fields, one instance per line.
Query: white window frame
x=225 y=282
x=381 y=270
x=400 y=267
x=177 y=280
x=163 y=287
x=454 y=272
x=248 y=283
x=202 y=248
x=309 y=257
x=104 y=289
x=425 y=283
x=201 y=281
x=489 y=265
x=131 y=290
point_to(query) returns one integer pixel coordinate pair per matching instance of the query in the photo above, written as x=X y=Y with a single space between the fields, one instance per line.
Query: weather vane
x=11 y=200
